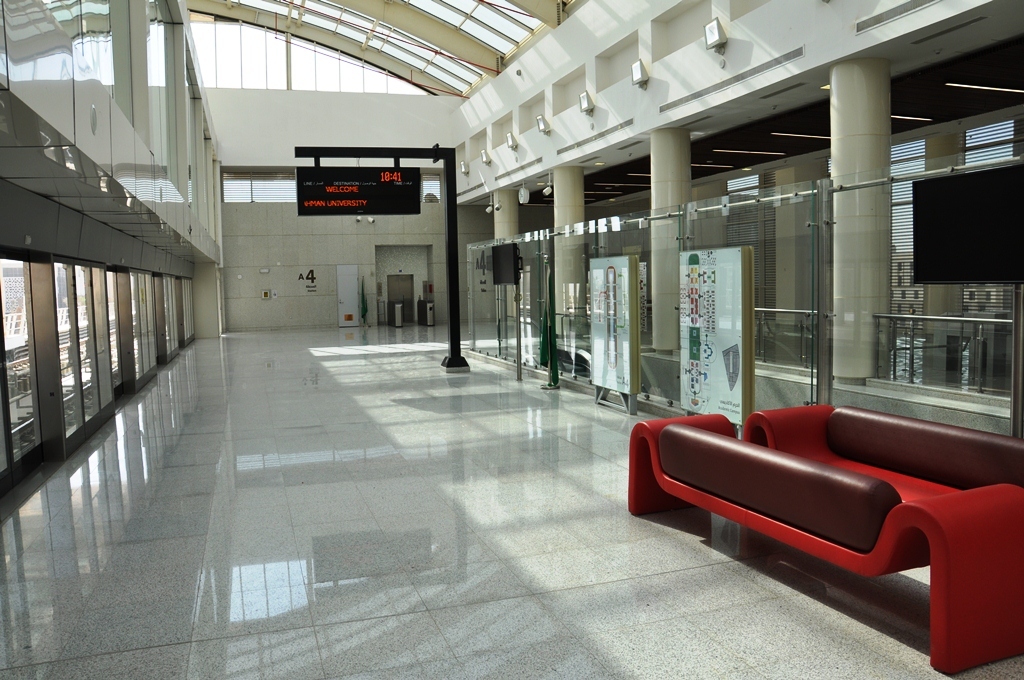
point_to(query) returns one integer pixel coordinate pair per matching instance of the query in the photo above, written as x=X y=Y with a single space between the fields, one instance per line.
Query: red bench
x=870 y=492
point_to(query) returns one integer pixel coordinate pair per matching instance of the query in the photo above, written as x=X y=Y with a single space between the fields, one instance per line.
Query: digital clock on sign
x=355 y=191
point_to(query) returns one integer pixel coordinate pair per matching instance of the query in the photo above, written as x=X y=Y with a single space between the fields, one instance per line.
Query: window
x=430 y=188
x=259 y=187
x=234 y=55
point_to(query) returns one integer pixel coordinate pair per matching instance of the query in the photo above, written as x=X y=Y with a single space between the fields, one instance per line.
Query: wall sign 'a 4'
x=358 y=191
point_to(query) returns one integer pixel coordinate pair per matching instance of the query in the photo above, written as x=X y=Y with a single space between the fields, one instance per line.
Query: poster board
x=716 y=330
x=614 y=333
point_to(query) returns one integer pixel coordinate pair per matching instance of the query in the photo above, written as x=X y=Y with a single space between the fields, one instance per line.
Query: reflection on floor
x=325 y=504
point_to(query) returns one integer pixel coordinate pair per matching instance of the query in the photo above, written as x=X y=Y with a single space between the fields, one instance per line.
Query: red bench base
x=973 y=540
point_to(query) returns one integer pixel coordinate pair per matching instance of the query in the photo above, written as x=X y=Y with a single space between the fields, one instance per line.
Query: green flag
x=363 y=308
x=549 y=340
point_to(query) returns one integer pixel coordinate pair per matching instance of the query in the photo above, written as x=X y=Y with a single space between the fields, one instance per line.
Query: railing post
x=913 y=328
x=1017 y=363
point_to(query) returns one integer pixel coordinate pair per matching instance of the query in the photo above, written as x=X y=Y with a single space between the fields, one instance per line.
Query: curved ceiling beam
x=542 y=10
x=312 y=33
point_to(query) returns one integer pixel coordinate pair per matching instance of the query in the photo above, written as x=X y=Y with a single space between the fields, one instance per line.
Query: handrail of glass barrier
x=924 y=174
x=805 y=312
x=951 y=319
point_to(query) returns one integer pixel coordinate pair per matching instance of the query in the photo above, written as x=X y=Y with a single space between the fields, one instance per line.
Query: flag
x=363 y=308
x=548 y=338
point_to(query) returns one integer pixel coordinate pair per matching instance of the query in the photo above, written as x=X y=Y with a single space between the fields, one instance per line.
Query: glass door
x=18 y=363
x=187 y=308
x=67 y=342
x=101 y=330
x=150 y=321
x=86 y=333
x=170 y=315
x=136 y=324
x=115 y=363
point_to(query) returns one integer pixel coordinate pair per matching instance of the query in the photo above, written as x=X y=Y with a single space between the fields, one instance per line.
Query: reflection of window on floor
x=262 y=591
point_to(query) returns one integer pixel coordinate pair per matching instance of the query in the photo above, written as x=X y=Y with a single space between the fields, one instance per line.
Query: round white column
x=506 y=220
x=861 y=149
x=570 y=274
x=670 y=189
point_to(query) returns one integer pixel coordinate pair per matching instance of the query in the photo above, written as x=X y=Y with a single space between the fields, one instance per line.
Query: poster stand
x=614 y=332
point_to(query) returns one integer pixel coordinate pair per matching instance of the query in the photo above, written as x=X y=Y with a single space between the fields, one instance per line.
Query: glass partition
x=186 y=289
x=778 y=223
x=137 y=342
x=170 y=314
x=18 y=358
x=149 y=322
x=67 y=342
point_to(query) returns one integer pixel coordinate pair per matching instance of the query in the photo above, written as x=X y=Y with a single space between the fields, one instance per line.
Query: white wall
x=271 y=236
x=263 y=127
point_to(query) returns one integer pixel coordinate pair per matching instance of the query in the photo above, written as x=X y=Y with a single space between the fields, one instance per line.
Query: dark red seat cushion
x=954 y=456
x=839 y=505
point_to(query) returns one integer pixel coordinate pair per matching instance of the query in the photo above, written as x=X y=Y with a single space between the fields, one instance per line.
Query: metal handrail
x=763 y=329
x=805 y=312
x=951 y=319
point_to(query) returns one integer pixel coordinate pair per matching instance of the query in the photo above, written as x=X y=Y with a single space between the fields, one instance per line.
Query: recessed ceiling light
x=709 y=165
x=926 y=120
x=748 y=168
x=793 y=134
x=638 y=174
x=983 y=87
x=619 y=184
x=611 y=193
x=826 y=87
x=757 y=153
x=599 y=163
x=540 y=184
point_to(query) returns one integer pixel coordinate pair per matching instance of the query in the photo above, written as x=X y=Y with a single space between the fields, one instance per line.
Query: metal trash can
x=398 y=314
x=430 y=313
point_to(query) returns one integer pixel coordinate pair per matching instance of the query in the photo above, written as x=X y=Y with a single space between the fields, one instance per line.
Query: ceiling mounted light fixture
x=542 y=125
x=464 y=167
x=793 y=134
x=485 y=157
x=510 y=141
x=640 y=74
x=715 y=37
x=1009 y=90
x=586 y=103
x=925 y=120
x=756 y=153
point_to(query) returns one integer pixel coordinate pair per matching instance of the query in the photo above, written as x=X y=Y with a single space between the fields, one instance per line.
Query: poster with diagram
x=614 y=334
x=716 y=331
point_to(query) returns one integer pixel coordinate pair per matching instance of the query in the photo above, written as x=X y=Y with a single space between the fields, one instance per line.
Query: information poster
x=716 y=324
x=615 y=341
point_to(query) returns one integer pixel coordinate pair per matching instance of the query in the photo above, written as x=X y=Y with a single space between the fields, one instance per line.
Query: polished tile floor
x=328 y=504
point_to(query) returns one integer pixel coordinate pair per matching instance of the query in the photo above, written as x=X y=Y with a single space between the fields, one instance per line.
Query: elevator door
x=400 y=290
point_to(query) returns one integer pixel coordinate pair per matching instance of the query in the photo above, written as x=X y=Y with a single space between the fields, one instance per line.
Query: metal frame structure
x=454 y=362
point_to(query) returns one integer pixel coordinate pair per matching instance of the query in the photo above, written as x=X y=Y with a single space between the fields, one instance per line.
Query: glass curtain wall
x=170 y=314
x=149 y=325
x=84 y=301
x=101 y=330
x=67 y=345
x=18 y=361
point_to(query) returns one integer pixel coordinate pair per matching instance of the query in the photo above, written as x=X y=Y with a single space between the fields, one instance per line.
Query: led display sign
x=358 y=191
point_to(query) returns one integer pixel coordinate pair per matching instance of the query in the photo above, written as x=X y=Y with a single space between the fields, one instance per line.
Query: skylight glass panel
x=264 y=5
x=465 y=6
x=321 y=22
x=458 y=69
x=440 y=11
x=400 y=54
x=492 y=40
x=446 y=78
x=516 y=14
x=351 y=33
x=500 y=23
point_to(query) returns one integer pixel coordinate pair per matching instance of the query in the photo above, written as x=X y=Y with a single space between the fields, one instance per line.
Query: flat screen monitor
x=506 y=264
x=966 y=227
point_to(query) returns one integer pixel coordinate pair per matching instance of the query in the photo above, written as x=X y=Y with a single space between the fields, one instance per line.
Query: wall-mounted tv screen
x=965 y=226
x=506 y=264
x=357 y=191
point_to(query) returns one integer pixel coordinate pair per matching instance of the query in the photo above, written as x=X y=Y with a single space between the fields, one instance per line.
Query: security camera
x=489 y=209
x=497 y=206
x=547 y=190
x=371 y=220
x=358 y=218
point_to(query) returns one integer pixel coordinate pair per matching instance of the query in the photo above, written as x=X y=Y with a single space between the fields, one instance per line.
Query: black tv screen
x=506 y=264
x=965 y=227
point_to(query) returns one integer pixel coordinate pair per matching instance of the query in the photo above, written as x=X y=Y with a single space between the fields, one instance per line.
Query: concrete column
x=570 y=272
x=939 y=152
x=861 y=149
x=670 y=189
x=506 y=220
x=206 y=300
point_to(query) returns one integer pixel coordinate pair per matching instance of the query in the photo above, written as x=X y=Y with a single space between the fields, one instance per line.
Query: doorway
x=402 y=271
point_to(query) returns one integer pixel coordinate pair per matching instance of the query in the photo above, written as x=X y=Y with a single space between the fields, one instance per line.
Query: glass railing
x=784 y=336
x=952 y=352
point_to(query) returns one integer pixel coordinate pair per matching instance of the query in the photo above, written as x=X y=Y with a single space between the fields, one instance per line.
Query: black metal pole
x=454 y=362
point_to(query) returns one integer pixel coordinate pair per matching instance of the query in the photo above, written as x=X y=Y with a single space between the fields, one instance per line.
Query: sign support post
x=454 y=362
